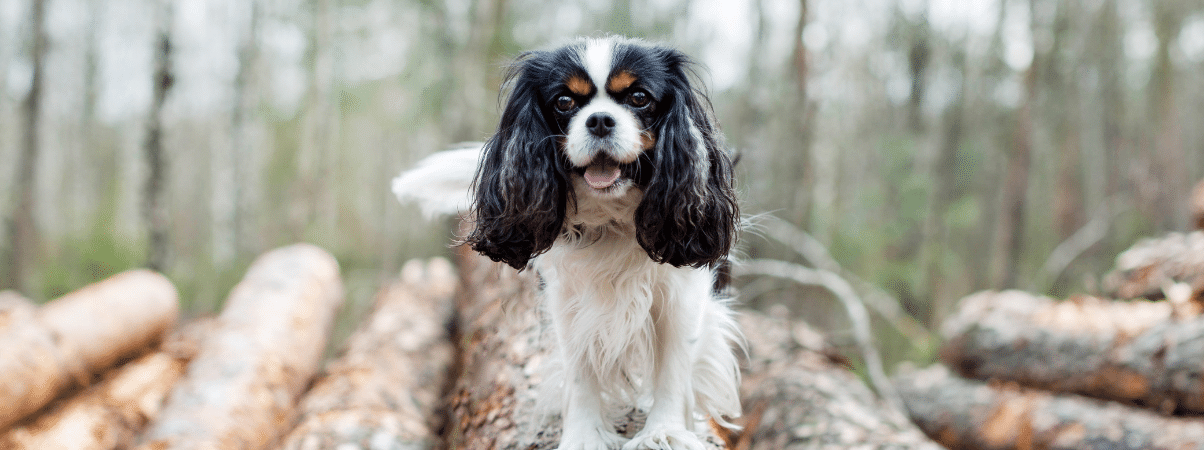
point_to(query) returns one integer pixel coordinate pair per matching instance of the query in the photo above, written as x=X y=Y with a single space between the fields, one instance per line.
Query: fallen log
x=1127 y=351
x=266 y=345
x=66 y=342
x=107 y=416
x=110 y=414
x=504 y=342
x=793 y=395
x=796 y=396
x=965 y=414
x=1151 y=265
x=385 y=391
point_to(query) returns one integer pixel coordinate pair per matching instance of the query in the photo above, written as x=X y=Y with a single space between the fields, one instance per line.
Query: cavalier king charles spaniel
x=608 y=176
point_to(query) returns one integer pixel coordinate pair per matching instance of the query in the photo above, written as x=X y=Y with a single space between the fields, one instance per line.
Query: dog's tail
x=441 y=183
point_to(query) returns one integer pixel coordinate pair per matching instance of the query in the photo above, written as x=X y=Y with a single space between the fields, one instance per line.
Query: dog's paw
x=665 y=438
x=594 y=439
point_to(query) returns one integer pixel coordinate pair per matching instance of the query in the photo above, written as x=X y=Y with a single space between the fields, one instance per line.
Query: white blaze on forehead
x=623 y=145
x=598 y=54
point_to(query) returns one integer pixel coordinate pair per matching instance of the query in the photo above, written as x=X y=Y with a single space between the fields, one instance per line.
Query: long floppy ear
x=689 y=214
x=520 y=187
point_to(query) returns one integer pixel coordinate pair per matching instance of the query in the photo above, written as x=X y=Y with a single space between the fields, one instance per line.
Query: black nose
x=600 y=124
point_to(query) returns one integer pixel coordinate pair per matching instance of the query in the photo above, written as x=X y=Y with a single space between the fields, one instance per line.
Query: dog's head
x=608 y=115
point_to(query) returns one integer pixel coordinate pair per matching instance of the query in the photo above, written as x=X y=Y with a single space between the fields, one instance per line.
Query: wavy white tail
x=441 y=184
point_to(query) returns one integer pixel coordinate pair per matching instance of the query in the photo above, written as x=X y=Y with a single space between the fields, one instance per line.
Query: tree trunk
x=154 y=210
x=945 y=190
x=385 y=392
x=1197 y=205
x=241 y=388
x=230 y=167
x=797 y=397
x=1170 y=155
x=62 y=345
x=23 y=230
x=1014 y=198
x=963 y=414
x=1128 y=351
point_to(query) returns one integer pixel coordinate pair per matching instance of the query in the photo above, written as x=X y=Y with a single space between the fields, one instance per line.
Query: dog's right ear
x=520 y=189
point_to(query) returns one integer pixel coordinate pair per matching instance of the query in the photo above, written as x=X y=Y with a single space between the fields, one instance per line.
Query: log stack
x=385 y=391
x=241 y=389
x=794 y=395
x=61 y=346
x=1028 y=371
x=444 y=360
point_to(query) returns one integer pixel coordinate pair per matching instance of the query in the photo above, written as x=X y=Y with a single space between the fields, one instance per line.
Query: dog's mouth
x=602 y=173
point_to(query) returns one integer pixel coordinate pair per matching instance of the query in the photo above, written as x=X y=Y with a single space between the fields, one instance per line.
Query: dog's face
x=605 y=115
x=606 y=109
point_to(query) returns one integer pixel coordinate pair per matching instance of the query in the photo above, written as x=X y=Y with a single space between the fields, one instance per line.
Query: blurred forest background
x=935 y=147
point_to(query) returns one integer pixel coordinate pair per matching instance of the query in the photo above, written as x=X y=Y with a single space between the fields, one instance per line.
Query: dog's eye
x=638 y=99
x=565 y=103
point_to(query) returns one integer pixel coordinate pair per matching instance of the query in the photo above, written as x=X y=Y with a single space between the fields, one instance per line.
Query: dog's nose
x=600 y=124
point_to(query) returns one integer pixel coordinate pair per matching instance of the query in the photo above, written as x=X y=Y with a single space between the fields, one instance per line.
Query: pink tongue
x=601 y=176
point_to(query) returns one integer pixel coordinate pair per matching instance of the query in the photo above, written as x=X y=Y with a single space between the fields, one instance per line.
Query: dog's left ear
x=519 y=193
x=689 y=214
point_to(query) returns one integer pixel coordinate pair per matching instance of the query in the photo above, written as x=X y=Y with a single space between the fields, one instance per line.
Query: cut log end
x=966 y=414
x=69 y=340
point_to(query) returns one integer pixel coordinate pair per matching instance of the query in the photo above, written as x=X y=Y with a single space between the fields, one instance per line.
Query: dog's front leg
x=670 y=421
x=585 y=424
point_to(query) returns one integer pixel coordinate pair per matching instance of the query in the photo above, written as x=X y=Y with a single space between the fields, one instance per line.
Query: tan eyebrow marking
x=620 y=81
x=579 y=85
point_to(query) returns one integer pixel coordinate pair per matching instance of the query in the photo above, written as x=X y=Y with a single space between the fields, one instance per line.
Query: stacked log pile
x=61 y=346
x=1027 y=371
x=444 y=360
x=241 y=389
x=385 y=391
x=794 y=396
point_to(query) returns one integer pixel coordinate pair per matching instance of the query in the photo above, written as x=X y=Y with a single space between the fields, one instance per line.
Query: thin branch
x=817 y=254
x=1086 y=237
x=853 y=305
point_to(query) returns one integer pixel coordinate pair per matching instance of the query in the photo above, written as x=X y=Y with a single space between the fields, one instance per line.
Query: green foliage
x=84 y=260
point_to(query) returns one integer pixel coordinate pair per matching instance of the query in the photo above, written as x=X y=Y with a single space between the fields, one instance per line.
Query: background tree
x=935 y=148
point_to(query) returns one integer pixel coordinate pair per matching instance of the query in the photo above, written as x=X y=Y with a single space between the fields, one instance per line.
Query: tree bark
x=109 y=415
x=795 y=396
x=385 y=391
x=1197 y=205
x=229 y=167
x=241 y=388
x=1134 y=352
x=22 y=230
x=964 y=414
x=1147 y=268
x=154 y=210
x=65 y=343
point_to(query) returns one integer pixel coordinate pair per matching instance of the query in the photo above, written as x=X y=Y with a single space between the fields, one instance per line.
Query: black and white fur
x=607 y=175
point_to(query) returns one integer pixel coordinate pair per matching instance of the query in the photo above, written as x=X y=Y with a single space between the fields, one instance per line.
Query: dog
x=609 y=177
